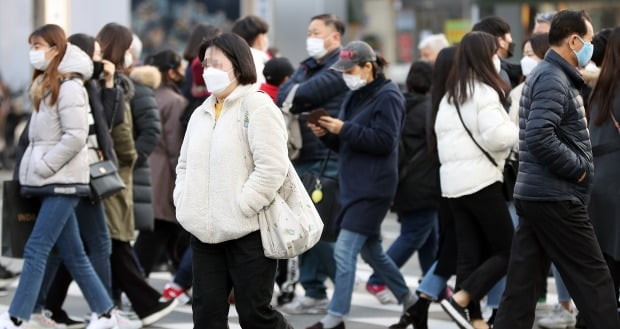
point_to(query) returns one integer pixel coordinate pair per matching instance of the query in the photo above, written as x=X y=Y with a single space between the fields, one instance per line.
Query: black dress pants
x=127 y=276
x=239 y=264
x=561 y=231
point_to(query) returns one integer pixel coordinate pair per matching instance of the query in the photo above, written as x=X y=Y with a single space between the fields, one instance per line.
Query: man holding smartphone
x=319 y=88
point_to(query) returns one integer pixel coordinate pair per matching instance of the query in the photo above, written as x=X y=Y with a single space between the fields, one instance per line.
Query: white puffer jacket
x=217 y=199
x=464 y=168
x=56 y=160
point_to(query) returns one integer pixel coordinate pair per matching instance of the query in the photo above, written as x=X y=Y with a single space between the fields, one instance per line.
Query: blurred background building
x=393 y=27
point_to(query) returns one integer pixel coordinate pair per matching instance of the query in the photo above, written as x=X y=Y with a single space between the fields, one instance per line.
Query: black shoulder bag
x=511 y=165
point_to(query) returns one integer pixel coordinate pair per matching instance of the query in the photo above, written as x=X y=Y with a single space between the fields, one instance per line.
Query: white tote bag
x=290 y=224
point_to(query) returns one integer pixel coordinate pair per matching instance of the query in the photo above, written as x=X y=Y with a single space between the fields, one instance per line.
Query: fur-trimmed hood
x=147 y=75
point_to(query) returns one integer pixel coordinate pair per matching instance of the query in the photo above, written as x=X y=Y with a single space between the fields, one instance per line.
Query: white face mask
x=353 y=81
x=128 y=60
x=316 y=47
x=527 y=65
x=497 y=63
x=216 y=80
x=37 y=59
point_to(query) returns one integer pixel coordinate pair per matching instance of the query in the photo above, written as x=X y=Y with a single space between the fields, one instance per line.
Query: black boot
x=416 y=315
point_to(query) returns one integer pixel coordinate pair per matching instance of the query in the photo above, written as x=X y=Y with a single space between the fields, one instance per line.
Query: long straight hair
x=605 y=89
x=473 y=62
x=54 y=35
x=114 y=40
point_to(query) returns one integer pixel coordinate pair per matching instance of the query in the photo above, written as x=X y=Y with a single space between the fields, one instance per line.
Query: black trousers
x=127 y=276
x=150 y=246
x=483 y=234
x=561 y=231
x=239 y=264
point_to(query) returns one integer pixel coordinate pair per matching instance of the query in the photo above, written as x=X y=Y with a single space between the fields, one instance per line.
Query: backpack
x=294 y=142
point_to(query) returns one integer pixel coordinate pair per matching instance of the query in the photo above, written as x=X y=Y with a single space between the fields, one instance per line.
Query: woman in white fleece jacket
x=469 y=178
x=233 y=160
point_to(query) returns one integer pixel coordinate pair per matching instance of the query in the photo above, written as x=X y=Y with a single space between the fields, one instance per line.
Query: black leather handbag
x=325 y=194
x=104 y=180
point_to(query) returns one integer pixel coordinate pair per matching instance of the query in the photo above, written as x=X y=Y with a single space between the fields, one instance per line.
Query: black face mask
x=511 y=49
x=97 y=70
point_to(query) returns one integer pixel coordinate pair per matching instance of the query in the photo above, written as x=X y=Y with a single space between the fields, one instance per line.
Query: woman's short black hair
x=420 y=77
x=567 y=22
x=249 y=27
x=238 y=52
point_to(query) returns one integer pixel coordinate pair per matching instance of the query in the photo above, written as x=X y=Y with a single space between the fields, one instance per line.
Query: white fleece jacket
x=217 y=196
x=464 y=168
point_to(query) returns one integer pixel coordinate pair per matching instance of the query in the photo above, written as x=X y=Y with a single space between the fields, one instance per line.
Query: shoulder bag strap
x=288 y=101
x=458 y=110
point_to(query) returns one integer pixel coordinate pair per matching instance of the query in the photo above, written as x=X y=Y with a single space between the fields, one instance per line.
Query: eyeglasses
x=545 y=17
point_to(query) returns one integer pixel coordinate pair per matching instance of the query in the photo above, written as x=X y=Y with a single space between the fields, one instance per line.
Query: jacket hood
x=76 y=61
x=413 y=98
x=147 y=75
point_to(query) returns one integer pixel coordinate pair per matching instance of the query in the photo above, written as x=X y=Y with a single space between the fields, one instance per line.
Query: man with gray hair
x=431 y=46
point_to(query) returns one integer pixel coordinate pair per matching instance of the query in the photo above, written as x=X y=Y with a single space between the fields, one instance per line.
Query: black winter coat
x=554 y=143
x=418 y=167
x=604 y=208
x=146 y=131
x=319 y=87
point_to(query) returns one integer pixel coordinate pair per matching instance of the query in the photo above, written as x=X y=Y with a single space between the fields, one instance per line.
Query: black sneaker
x=458 y=313
x=6 y=276
x=162 y=309
x=416 y=315
x=285 y=298
x=62 y=318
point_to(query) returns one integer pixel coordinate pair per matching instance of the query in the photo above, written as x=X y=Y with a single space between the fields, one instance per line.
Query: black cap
x=355 y=52
x=276 y=69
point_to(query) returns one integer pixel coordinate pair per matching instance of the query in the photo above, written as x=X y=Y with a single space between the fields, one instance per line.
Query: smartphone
x=314 y=116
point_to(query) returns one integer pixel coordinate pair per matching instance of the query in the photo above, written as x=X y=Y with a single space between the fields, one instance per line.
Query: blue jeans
x=56 y=225
x=415 y=229
x=348 y=246
x=427 y=254
x=563 y=294
x=183 y=277
x=94 y=233
x=317 y=264
x=432 y=284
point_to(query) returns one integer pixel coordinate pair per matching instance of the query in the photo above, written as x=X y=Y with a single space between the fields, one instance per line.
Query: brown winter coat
x=163 y=160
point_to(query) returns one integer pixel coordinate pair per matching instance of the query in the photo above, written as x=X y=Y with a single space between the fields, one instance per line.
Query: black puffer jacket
x=146 y=131
x=554 y=144
x=418 y=167
x=319 y=87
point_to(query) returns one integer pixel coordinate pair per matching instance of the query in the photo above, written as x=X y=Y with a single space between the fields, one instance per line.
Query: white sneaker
x=125 y=322
x=306 y=305
x=101 y=322
x=558 y=318
x=44 y=320
x=6 y=323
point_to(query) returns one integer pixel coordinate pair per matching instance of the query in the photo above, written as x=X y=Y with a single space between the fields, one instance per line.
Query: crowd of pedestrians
x=202 y=147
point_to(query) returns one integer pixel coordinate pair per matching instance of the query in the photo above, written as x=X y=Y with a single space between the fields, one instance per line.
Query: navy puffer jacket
x=319 y=87
x=554 y=143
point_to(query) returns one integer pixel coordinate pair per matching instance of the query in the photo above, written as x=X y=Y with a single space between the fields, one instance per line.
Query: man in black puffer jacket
x=553 y=186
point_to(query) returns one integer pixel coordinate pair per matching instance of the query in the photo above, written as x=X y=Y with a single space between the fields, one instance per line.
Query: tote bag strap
x=458 y=110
